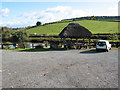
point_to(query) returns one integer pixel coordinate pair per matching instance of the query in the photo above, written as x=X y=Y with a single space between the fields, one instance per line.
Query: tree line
x=13 y=36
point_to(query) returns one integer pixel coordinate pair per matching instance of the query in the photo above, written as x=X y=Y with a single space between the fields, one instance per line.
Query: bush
x=7 y=46
x=39 y=47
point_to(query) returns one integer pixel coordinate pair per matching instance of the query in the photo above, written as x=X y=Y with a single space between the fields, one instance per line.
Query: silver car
x=103 y=45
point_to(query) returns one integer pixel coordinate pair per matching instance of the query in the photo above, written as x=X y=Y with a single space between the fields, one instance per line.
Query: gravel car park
x=60 y=69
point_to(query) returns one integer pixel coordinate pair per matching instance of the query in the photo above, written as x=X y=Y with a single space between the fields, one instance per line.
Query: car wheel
x=107 y=50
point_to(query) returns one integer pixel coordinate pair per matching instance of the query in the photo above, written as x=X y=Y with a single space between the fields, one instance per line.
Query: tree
x=5 y=29
x=38 y=23
x=19 y=36
x=73 y=19
x=93 y=18
x=6 y=36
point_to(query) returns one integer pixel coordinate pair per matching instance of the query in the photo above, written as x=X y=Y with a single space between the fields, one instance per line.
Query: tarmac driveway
x=60 y=69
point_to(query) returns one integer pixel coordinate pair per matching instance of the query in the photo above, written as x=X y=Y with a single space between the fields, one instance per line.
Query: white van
x=103 y=45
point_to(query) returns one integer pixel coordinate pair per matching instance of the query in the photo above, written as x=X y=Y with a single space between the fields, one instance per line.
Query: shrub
x=7 y=46
x=39 y=47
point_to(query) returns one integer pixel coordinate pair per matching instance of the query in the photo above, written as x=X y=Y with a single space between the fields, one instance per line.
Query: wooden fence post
x=89 y=43
x=32 y=45
x=61 y=43
x=116 y=44
x=2 y=46
x=76 y=43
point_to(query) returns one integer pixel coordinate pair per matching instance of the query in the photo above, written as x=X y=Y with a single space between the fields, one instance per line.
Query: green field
x=92 y=25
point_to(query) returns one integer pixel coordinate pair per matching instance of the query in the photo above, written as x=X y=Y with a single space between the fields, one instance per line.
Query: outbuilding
x=75 y=31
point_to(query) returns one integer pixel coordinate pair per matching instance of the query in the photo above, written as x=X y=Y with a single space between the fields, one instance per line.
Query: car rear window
x=101 y=43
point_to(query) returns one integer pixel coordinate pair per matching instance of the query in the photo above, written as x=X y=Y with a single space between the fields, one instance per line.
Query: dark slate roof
x=75 y=30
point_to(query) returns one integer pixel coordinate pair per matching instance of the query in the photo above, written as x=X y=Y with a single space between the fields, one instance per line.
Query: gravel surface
x=60 y=69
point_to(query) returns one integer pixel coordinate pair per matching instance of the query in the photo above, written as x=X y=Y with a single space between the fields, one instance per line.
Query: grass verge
x=35 y=50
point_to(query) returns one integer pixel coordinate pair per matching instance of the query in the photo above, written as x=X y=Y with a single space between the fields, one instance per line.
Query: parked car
x=103 y=45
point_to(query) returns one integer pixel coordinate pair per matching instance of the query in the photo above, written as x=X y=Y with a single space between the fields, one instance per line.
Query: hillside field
x=92 y=25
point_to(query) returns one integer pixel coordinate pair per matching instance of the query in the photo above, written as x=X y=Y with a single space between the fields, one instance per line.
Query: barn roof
x=75 y=30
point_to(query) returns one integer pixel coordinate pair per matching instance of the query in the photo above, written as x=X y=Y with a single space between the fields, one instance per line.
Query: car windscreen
x=101 y=43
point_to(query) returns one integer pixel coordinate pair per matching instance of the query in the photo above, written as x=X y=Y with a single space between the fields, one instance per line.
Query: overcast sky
x=25 y=13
